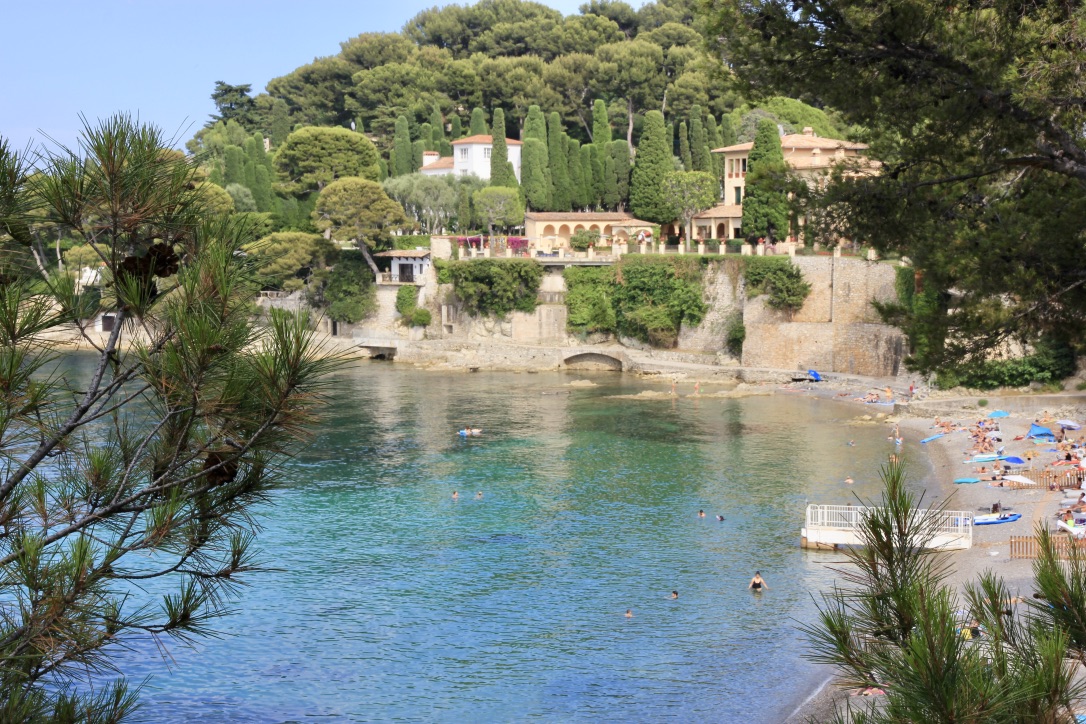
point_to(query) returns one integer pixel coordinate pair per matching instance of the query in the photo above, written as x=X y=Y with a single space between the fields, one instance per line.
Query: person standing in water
x=757 y=584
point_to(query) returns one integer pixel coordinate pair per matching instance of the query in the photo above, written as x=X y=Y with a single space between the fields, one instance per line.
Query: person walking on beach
x=756 y=583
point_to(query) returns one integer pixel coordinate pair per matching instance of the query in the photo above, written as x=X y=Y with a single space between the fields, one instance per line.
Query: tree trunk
x=369 y=259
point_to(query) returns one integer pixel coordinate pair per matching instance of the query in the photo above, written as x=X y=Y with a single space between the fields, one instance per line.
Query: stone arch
x=722 y=230
x=622 y=234
x=578 y=227
x=593 y=361
x=548 y=230
x=563 y=230
x=607 y=230
x=594 y=227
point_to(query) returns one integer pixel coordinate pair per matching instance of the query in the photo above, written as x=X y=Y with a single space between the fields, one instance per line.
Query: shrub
x=588 y=297
x=1050 y=362
x=982 y=402
x=653 y=297
x=497 y=286
x=420 y=317
x=411 y=242
x=735 y=335
x=407 y=299
x=347 y=290
x=786 y=288
x=757 y=268
x=1080 y=386
x=442 y=268
x=583 y=238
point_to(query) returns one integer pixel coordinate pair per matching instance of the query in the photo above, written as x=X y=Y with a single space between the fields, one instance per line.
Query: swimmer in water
x=849 y=480
x=701 y=513
x=479 y=495
x=629 y=613
x=674 y=594
x=720 y=518
x=756 y=583
x=456 y=495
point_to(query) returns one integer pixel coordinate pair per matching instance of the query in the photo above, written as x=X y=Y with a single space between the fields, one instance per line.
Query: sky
x=160 y=58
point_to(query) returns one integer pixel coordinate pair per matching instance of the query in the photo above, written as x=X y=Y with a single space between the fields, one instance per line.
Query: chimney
x=808 y=131
x=429 y=157
x=780 y=129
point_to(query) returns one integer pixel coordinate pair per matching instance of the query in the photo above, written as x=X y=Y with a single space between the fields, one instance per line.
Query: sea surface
x=394 y=602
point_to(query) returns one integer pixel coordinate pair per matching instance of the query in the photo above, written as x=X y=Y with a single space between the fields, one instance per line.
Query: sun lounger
x=1077 y=531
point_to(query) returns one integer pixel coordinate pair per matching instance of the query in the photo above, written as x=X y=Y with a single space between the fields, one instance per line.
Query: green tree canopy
x=498 y=206
x=651 y=165
x=286 y=259
x=561 y=191
x=765 y=194
x=358 y=209
x=535 y=174
x=312 y=158
x=689 y=193
x=477 y=127
x=502 y=172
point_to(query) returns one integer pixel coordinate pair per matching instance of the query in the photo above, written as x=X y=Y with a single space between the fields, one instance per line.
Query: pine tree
x=561 y=193
x=620 y=153
x=426 y=135
x=601 y=125
x=534 y=175
x=535 y=126
x=501 y=170
x=651 y=165
x=699 y=141
x=478 y=123
x=578 y=195
x=765 y=200
x=684 y=148
x=457 y=128
x=401 y=144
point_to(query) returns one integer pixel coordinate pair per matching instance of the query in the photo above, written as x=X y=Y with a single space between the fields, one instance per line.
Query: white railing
x=948 y=525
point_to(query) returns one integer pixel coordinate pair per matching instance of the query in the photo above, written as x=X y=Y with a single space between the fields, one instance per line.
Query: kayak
x=995 y=518
x=933 y=437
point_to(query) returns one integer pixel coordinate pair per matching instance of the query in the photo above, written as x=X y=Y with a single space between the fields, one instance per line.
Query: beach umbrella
x=1020 y=479
x=1014 y=460
x=1069 y=424
x=998 y=413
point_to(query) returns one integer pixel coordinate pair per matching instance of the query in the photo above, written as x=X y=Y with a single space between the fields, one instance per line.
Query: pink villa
x=552 y=229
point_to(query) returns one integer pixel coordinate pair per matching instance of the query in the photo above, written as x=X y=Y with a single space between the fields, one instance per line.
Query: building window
x=743 y=164
x=738 y=195
x=486 y=152
x=463 y=172
x=463 y=154
x=731 y=165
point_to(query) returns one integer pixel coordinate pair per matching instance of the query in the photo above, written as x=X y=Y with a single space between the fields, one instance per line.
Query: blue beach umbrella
x=1014 y=460
x=998 y=413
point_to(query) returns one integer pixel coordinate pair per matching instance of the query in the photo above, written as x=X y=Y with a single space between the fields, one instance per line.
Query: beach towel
x=933 y=437
x=966 y=481
x=998 y=413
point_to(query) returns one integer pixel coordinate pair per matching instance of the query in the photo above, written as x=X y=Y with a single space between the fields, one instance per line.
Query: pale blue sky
x=161 y=58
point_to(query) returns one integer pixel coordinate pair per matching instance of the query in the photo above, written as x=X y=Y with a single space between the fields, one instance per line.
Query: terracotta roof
x=442 y=163
x=721 y=211
x=800 y=140
x=430 y=153
x=405 y=253
x=485 y=139
x=575 y=216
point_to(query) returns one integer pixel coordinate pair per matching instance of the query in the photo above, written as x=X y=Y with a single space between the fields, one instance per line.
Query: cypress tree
x=216 y=176
x=715 y=142
x=501 y=170
x=601 y=125
x=478 y=123
x=684 y=148
x=262 y=190
x=699 y=141
x=587 y=180
x=382 y=169
x=437 y=123
x=279 y=125
x=561 y=193
x=463 y=210
x=620 y=153
x=533 y=174
x=651 y=165
x=252 y=160
x=728 y=136
x=426 y=135
x=598 y=183
x=578 y=195
x=536 y=125
x=457 y=128
x=610 y=195
x=765 y=201
x=672 y=146
x=417 y=149
x=233 y=165
x=401 y=144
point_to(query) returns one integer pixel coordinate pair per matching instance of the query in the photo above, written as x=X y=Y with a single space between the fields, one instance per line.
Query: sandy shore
x=942 y=463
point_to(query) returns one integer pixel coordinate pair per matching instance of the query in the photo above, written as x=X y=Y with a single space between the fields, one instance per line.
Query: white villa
x=407 y=266
x=471 y=155
x=804 y=152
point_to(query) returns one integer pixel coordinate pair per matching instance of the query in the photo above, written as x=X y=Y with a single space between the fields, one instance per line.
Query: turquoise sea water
x=396 y=603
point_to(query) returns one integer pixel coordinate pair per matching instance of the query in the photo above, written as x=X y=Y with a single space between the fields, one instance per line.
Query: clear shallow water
x=395 y=602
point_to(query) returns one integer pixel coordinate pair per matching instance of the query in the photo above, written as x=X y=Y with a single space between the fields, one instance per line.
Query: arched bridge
x=595 y=360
